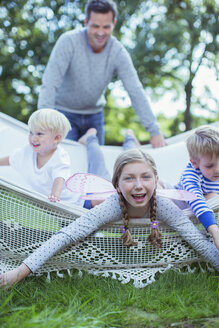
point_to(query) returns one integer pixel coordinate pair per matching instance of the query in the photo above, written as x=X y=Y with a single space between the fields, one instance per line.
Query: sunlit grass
x=174 y=300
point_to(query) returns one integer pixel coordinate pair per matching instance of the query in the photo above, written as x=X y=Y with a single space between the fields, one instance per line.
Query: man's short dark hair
x=101 y=6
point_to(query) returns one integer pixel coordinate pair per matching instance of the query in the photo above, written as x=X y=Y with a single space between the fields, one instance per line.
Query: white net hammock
x=27 y=220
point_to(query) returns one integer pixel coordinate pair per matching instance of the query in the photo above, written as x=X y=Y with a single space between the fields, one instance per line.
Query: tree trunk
x=187 y=115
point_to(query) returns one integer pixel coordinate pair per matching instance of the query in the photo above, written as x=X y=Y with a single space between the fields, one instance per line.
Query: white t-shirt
x=24 y=161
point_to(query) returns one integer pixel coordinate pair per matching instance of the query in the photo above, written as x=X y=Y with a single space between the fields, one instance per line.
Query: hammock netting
x=27 y=220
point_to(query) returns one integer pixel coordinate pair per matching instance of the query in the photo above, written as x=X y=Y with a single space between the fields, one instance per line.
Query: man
x=80 y=67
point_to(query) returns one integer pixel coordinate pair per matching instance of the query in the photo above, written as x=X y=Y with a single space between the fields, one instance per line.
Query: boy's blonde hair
x=50 y=119
x=126 y=157
x=203 y=142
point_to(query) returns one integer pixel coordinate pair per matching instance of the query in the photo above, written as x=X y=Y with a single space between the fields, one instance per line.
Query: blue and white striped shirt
x=193 y=180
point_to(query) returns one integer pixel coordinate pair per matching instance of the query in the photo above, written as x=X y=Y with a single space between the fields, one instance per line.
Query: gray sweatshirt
x=76 y=78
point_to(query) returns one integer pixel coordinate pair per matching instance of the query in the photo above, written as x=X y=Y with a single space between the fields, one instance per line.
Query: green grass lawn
x=174 y=300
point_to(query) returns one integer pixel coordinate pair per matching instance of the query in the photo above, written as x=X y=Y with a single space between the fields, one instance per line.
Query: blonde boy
x=43 y=163
x=201 y=175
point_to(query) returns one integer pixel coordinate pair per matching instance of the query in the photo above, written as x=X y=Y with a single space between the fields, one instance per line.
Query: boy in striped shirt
x=201 y=175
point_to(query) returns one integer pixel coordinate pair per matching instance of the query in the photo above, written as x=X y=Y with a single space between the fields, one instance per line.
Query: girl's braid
x=126 y=236
x=155 y=235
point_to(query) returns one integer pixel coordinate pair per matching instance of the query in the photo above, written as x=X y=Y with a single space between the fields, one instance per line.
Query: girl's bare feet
x=90 y=132
x=9 y=278
x=130 y=132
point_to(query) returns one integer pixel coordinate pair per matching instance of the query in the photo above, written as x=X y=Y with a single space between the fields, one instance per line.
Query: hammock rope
x=27 y=220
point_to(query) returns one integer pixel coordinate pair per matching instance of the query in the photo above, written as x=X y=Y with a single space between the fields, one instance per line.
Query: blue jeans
x=96 y=162
x=80 y=123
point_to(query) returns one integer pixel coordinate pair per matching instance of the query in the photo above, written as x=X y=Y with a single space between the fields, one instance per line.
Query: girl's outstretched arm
x=16 y=275
x=106 y=212
x=169 y=213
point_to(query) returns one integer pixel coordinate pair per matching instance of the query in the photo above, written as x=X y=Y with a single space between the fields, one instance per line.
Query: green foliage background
x=168 y=40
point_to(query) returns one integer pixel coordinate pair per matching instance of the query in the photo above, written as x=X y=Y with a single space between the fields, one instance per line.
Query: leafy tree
x=171 y=41
x=125 y=118
x=29 y=29
x=168 y=40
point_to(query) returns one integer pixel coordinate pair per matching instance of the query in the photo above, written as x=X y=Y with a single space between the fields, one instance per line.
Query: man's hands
x=158 y=141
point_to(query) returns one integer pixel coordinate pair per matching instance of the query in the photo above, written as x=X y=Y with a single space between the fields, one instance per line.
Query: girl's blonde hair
x=50 y=119
x=126 y=157
x=203 y=142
